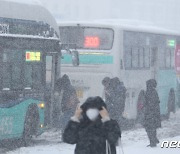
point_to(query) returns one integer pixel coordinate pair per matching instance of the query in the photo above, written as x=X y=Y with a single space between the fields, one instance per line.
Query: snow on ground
x=134 y=141
x=61 y=148
x=170 y=128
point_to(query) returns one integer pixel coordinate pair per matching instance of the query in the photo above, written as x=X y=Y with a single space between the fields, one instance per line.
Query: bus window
x=12 y=69
x=172 y=58
x=154 y=52
x=6 y=77
x=147 y=57
x=162 y=57
x=141 y=57
x=128 y=57
x=98 y=38
x=33 y=76
x=33 y=70
x=87 y=37
x=135 y=57
x=37 y=77
x=28 y=76
x=72 y=35
x=17 y=82
x=168 y=58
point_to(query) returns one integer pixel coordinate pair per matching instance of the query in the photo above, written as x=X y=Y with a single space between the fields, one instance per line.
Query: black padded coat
x=90 y=137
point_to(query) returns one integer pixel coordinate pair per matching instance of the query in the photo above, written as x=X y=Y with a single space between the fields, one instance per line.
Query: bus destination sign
x=92 y=42
x=33 y=56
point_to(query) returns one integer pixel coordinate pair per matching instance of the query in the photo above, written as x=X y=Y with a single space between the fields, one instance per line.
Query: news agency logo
x=170 y=144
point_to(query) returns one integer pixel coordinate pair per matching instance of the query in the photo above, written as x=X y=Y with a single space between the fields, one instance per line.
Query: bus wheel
x=30 y=125
x=171 y=102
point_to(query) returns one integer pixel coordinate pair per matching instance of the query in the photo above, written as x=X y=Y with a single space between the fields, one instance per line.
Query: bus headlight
x=41 y=105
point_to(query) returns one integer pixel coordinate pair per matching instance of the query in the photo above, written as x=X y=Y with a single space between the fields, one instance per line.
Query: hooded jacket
x=90 y=136
x=152 y=108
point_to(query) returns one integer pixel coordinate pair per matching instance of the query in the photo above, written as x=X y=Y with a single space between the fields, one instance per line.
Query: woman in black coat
x=93 y=130
x=152 y=112
x=67 y=101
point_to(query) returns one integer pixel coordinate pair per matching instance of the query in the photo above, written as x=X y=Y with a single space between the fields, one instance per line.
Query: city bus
x=132 y=52
x=30 y=60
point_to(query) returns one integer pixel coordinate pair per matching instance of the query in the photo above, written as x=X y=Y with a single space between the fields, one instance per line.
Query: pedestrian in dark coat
x=107 y=89
x=171 y=102
x=119 y=94
x=152 y=112
x=67 y=101
x=93 y=129
x=115 y=99
x=69 y=96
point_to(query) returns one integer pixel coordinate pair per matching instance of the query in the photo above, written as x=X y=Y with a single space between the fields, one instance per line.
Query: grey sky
x=164 y=13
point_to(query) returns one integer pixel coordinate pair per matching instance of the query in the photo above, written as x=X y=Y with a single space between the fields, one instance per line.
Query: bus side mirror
x=75 y=58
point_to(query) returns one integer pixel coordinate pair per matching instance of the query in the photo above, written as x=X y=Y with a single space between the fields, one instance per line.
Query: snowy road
x=136 y=148
x=134 y=141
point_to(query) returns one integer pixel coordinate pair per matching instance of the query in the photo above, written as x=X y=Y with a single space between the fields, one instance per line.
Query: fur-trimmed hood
x=93 y=102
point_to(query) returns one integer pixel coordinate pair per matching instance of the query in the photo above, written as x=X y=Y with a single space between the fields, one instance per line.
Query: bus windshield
x=87 y=37
x=20 y=70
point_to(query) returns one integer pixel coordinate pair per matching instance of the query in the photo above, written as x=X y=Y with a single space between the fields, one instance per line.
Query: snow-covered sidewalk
x=134 y=141
x=136 y=148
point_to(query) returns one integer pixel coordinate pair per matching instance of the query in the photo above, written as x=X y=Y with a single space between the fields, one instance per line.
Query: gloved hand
x=78 y=112
x=104 y=114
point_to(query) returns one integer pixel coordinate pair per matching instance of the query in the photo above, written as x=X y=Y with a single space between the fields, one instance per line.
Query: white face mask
x=92 y=114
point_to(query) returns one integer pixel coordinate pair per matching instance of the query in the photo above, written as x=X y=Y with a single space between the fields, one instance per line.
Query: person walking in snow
x=115 y=94
x=68 y=100
x=152 y=119
x=119 y=97
x=92 y=129
x=107 y=89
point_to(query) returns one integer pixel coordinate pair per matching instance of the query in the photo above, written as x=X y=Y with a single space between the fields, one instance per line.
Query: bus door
x=52 y=73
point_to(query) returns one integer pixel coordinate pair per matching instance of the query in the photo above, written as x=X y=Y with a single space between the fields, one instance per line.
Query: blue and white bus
x=29 y=65
x=134 y=53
